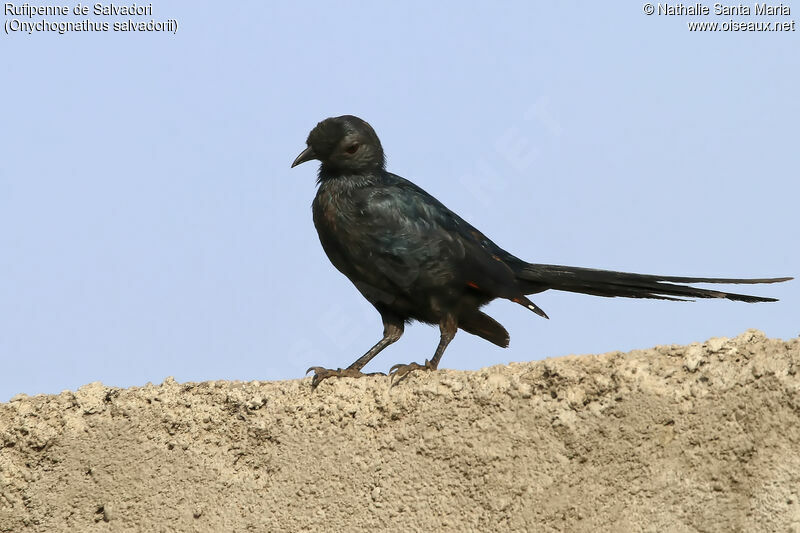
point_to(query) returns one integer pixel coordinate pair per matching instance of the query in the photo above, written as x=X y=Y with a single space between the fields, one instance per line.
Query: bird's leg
x=448 y=327
x=392 y=330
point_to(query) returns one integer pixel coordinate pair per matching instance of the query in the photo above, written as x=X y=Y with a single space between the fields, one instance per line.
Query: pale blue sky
x=150 y=225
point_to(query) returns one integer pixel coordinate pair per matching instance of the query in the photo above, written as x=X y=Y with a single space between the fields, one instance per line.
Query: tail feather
x=536 y=278
x=484 y=326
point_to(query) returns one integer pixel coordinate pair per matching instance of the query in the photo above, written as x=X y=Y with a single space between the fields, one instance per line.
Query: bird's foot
x=321 y=374
x=400 y=371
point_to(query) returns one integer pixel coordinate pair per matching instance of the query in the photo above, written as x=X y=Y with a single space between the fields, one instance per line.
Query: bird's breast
x=324 y=212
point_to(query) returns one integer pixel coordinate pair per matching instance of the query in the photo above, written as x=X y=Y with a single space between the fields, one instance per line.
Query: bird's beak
x=306 y=155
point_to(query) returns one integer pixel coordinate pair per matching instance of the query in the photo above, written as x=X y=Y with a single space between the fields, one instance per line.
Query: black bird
x=414 y=259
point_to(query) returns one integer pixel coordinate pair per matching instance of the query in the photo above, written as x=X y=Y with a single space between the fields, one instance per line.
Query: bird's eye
x=353 y=148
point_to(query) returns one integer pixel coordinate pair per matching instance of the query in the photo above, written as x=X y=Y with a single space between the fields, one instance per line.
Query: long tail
x=537 y=278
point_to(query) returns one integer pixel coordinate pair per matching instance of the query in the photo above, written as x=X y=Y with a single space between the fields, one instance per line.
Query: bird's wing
x=419 y=241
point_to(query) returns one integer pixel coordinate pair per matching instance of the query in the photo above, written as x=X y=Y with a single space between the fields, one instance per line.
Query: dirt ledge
x=704 y=437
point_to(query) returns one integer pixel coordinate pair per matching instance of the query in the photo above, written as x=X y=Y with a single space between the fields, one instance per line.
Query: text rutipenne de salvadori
x=30 y=18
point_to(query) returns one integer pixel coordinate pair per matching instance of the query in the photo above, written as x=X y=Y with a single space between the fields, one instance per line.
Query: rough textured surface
x=676 y=438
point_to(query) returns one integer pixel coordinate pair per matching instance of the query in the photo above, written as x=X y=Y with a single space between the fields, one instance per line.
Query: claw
x=400 y=371
x=322 y=373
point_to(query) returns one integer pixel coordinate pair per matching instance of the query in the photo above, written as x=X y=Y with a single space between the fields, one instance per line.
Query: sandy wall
x=703 y=437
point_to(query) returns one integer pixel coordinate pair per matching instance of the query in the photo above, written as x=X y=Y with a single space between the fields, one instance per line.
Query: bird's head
x=344 y=145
